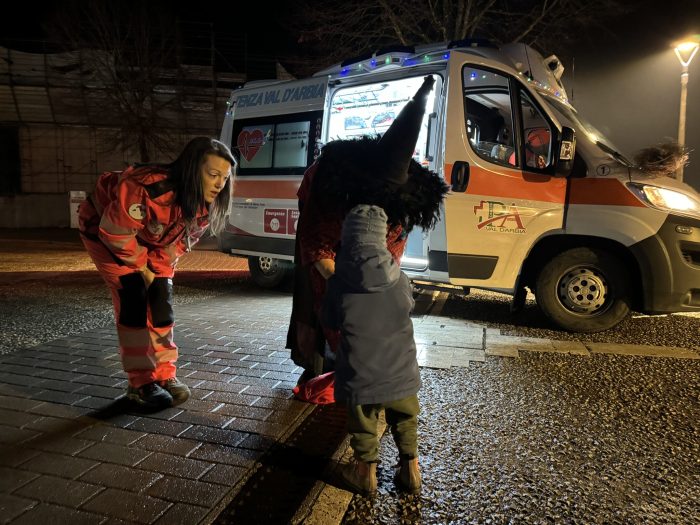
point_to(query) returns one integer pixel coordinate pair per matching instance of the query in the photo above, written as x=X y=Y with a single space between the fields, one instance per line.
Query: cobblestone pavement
x=72 y=452
x=496 y=408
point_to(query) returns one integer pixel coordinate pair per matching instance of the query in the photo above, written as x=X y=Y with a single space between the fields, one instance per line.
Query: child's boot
x=408 y=476
x=359 y=475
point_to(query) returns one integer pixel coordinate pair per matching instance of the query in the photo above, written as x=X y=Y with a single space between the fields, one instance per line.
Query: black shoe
x=179 y=391
x=150 y=396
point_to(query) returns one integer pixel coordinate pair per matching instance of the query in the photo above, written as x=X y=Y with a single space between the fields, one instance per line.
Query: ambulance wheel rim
x=583 y=290
x=268 y=272
x=266 y=264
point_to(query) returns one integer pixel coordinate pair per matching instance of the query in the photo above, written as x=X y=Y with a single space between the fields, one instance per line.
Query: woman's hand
x=326 y=267
x=147 y=275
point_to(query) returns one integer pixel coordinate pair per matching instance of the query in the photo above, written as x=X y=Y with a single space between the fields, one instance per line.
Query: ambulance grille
x=692 y=258
x=691 y=253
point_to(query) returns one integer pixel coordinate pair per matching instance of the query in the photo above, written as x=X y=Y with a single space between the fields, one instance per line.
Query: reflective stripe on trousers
x=144 y=321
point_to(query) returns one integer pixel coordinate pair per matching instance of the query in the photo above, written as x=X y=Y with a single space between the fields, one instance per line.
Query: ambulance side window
x=282 y=145
x=489 y=115
x=536 y=135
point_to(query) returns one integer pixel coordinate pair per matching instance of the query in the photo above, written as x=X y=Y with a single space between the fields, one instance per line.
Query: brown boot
x=360 y=476
x=408 y=476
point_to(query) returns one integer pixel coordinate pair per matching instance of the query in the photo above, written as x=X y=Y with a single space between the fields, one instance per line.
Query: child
x=369 y=300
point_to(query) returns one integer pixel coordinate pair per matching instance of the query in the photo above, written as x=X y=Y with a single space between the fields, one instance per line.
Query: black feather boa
x=347 y=176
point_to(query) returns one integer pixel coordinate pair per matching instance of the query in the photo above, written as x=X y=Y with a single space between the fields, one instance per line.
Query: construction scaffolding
x=69 y=127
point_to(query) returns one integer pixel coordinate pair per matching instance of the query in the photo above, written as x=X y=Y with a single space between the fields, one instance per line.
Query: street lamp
x=685 y=51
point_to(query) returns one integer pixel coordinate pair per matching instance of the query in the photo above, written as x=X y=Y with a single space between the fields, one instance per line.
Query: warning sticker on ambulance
x=275 y=221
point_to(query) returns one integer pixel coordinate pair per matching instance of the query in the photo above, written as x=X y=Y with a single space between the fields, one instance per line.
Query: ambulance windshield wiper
x=617 y=156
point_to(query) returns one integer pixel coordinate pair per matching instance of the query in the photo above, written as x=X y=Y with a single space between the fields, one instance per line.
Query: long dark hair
x=349 y=174
x=184 y=171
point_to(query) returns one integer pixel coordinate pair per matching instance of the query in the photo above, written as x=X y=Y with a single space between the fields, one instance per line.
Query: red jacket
x=135 y=216
x=319 y=232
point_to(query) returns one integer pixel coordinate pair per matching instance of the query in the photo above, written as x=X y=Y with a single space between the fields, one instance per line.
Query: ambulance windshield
x=586 y=127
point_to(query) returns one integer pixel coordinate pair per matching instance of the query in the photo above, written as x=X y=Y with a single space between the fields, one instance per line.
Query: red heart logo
x=249 y=143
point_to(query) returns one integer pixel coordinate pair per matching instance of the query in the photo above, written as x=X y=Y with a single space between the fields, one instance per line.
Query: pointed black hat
x=395 y=148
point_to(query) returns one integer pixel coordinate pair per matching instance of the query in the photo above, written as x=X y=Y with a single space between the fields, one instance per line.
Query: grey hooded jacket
x=369 y=300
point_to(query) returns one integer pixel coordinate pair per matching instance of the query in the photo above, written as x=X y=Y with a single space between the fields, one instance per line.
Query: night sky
x=623 y=76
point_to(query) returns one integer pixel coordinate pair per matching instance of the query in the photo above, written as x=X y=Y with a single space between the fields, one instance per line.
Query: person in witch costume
x=377 y=171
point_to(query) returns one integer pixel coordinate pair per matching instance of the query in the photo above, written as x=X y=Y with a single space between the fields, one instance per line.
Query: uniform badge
x=155 y=228
x=137 y=211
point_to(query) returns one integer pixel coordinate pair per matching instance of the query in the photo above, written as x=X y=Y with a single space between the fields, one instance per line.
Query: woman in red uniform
x=135 y=226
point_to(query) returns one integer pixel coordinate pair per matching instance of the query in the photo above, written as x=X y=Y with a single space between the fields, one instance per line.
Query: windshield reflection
x=594 y=134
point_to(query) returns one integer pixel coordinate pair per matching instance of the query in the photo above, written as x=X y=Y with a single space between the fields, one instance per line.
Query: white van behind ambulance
x=539 y=198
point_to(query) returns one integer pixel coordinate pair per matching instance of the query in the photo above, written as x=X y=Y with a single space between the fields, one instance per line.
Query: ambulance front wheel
x=584 y=290
x=268 y=272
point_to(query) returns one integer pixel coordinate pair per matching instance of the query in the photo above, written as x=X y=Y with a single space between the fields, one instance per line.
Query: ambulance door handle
x=460 y=176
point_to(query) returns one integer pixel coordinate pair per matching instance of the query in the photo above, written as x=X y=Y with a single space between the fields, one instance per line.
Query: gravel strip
x=36 y=311
x=493 y=310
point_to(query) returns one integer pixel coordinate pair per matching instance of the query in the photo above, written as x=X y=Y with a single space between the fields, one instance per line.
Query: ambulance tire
x=584 y=290
x=268 y=272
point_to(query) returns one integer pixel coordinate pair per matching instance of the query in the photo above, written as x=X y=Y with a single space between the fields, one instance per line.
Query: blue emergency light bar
x=401 y=56
x=384 y=61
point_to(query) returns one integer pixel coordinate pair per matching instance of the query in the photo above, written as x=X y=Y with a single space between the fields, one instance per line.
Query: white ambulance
x=539 y=198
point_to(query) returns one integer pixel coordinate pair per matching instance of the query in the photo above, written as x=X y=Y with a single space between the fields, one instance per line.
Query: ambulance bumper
x=670 y=267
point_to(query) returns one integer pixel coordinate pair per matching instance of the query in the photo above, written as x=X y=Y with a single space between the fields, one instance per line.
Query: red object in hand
x=318 y=390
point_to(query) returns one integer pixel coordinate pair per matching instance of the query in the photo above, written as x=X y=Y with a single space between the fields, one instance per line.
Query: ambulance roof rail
x=398 y=56
x=391 y=56
x=358 y=58
x=265 y=82
x=471 y=42
x=411 y=50
x=429 y=48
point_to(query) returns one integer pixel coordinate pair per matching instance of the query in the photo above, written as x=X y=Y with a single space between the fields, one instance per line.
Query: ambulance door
x=499 y=161
x=415 y=257
x=369 y=109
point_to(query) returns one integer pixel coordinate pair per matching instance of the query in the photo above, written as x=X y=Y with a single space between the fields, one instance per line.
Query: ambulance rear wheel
x=268 y=272
x=584 y=290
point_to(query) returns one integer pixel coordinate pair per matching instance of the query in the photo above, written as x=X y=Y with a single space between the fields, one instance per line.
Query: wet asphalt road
x=40 y=307
x=551 y=439
x=493 y=310
x=546 y=438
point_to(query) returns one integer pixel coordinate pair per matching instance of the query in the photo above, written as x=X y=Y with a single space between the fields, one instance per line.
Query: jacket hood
x=363 y=262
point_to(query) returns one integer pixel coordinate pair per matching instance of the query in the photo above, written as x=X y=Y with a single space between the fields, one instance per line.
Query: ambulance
x=539 y=198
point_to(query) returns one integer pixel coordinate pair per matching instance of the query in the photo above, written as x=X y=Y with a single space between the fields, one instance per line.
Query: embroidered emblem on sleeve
x=155 y=228
x=137 y=211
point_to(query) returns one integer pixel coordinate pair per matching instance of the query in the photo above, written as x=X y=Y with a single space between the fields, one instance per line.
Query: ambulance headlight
x=666 y=199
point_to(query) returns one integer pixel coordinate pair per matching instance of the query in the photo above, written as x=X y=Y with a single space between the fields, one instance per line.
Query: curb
x=327 y=504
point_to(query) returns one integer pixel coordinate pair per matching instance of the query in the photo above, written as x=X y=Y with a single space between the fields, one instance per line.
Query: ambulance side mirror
x=567 y=150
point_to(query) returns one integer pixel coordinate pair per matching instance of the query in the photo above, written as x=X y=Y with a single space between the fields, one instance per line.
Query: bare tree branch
x=130 y=50
x=333 y=30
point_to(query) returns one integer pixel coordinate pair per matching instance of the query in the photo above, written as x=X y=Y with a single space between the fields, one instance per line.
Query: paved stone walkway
x=72 y=452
